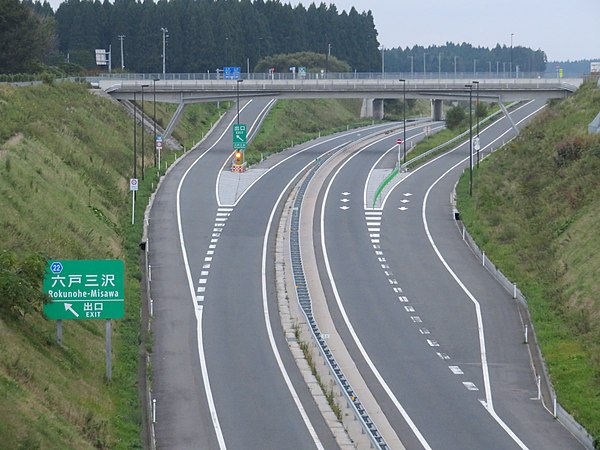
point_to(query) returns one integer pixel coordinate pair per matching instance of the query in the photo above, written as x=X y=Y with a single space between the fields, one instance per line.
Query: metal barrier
x=306 y=305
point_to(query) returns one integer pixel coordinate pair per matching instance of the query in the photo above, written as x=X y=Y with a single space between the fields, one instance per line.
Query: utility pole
x=121 y=37
x=164 y=52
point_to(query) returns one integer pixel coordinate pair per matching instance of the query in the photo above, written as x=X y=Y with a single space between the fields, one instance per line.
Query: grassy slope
x=535 y=211
x=296 y=121
x=65 y=157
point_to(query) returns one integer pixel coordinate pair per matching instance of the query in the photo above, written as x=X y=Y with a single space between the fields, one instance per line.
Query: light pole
x=424 y=65
x=164 y=52
x=237 y=85
x=404 y=122
x=477 y=117
x=382 y=62
x=143 y=164
x=134 y=136
x=121 y=37
x=455 y=66
x=511 y=47
x=470 y=86
x=439 y=66
x=412 y=66
x=327 y=59
x=474 y=66
x=154 y=117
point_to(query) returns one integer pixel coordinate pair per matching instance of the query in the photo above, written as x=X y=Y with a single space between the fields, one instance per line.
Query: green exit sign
x=85 y=289
x=239 y=136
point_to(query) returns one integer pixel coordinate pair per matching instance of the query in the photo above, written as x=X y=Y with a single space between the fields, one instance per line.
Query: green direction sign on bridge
x=85 y=289
x=239 y=136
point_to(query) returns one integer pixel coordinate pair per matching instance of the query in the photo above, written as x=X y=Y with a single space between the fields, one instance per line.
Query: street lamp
x=134 y=136
x=511 y=47
x=143 y=164
x=404 y=125
x=164 y=52
x=477 y=117
x=412 y=67
x=121 y=37
x=470 y=86
x=455 y=66
x=238 y=99
x=154 y=118
x=424 y=65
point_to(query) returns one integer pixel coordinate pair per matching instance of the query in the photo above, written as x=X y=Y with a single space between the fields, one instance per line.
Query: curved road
x=223 y=375
x=443 y=343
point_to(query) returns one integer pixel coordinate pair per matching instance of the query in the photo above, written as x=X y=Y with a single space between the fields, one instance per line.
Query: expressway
x=437 y=340
x=223 y=374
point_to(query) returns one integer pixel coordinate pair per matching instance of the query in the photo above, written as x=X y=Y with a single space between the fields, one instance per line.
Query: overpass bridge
x=183 y=89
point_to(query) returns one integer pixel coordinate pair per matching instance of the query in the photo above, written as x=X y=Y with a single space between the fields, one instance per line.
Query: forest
x=206 y=35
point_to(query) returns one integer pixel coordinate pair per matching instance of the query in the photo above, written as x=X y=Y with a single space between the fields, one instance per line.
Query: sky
x=564 y=30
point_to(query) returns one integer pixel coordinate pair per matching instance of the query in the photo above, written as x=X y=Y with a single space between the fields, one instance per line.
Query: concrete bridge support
x=372 y=108
x=436 y=110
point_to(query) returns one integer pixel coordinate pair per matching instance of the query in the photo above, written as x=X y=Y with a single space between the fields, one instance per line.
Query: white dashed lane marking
x=456 y=370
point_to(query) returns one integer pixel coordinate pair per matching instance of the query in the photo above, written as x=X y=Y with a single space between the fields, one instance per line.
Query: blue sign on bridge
x=232 y=73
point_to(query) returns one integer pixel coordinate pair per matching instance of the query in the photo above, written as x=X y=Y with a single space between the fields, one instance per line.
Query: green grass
x=535 y=212
x=65 y=159
x=291 y=122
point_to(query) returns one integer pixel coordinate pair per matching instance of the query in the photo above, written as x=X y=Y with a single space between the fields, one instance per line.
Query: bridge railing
x=387 y=76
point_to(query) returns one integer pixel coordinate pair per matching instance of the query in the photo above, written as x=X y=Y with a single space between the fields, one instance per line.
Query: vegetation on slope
x=65 y=160
x=534 y=211
x=292 y=122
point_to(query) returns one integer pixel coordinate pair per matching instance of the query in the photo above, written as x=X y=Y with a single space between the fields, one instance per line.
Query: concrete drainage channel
x=349 y=394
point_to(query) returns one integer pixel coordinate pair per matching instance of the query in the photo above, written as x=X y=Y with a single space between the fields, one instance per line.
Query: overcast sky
x=565 y=30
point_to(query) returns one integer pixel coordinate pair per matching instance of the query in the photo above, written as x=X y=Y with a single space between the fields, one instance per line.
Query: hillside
x=65 y=159
x=535 y=212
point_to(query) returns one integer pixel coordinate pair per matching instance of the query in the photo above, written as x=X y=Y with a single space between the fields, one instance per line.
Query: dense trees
x=464 y=58
x=204 y=35
x=25 y=37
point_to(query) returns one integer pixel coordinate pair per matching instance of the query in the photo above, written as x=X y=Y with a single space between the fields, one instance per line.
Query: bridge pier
x=372 y=108
x=436 y=110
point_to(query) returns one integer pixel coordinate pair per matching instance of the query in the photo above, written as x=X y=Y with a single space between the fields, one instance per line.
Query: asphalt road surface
x=443 y=342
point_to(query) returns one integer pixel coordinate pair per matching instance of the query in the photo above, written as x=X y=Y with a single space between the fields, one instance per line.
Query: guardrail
x=306 y=305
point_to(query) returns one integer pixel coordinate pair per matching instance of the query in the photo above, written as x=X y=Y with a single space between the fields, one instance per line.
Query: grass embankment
x=196 y=120
x=65 y=159
x=291 y=122
x=534 y=211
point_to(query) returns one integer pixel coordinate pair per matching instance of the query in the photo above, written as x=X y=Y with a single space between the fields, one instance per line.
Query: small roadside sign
x=476 y=144
x=133 y=184
x=239 y=136
x=85 y=289
x=399 y=141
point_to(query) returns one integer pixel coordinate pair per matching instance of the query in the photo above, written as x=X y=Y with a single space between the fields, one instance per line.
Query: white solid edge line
x=229 y=156
x=284 y=373
x=483 y=353
x=294 y=154
x=357 y=341
x=448 y=152
x=205 y=378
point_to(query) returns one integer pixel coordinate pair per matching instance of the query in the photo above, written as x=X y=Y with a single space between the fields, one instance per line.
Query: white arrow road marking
x=68 y=307
x=407 y=194
x=403 y=208
x=344 y=207
x=404 y=201
x=345 y=200
x=345 y=193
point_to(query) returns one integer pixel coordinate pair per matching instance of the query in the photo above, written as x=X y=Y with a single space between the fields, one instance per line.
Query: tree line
x=464 y=58
x=206 y=35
